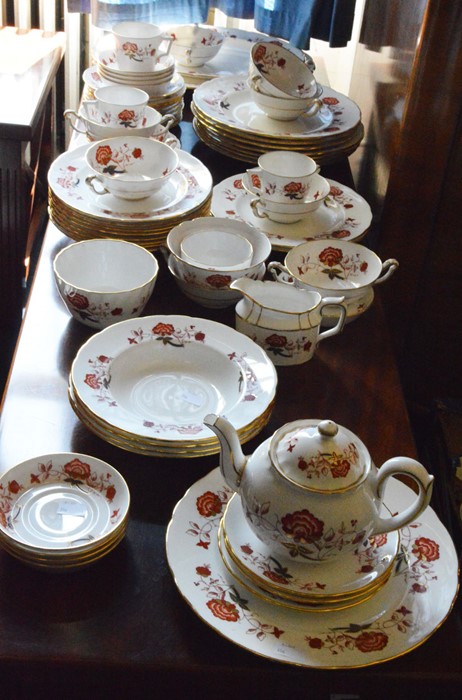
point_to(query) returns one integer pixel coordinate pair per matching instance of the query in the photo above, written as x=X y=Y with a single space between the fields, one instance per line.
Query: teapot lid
x=319 y=455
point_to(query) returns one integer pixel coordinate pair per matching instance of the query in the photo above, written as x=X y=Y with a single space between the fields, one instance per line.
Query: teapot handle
x=423 y=480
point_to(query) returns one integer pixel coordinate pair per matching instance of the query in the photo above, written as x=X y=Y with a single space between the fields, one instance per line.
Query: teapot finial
x=328 y=428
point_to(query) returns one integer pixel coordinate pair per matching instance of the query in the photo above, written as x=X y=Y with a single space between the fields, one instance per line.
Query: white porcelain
x=103 y=281
x=311 y=491
x=117 y=106
x=348 y=217
x=109 y=67
x=281 y=72
x=194 y=45
x=284 y=108
x=284 y=321
x=283 y=176
x=133 y=167
x=152 y=124
x=137 y=45
x=343 y=268
x=219 y=250
x=61 y=506
x=403 y=614
x=286 y=213
x=155 y=378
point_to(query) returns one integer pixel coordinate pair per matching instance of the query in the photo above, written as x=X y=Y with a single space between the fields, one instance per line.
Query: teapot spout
x=232 y=459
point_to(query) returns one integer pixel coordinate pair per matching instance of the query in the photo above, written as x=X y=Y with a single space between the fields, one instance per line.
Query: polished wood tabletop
x=120 y=626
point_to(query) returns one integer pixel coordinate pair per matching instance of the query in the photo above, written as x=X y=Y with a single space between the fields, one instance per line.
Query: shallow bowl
x=103 y=281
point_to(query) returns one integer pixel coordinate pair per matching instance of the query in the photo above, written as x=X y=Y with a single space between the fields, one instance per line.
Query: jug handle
x=341 y=320
x=420 y=476
x=388 y=268
x=280 y=273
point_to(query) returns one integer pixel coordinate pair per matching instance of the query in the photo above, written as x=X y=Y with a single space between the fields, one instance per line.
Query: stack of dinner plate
x=62 y=511
x=81 y=214
x=146 y=384
x=228 y=120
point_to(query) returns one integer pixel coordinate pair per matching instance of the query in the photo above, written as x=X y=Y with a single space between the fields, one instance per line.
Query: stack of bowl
x=207 y=254
x=282 y=84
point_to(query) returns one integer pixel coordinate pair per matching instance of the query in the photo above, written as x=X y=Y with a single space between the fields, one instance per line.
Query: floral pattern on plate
x=398 y=618
x=349 y=221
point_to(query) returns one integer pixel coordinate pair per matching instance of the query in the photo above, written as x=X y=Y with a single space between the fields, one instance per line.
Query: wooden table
x=120 y=628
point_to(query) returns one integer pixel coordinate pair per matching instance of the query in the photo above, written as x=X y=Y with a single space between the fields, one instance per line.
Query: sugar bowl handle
x=404 y=466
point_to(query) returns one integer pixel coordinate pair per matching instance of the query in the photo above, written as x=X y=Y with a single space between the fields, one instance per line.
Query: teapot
x=311 y=491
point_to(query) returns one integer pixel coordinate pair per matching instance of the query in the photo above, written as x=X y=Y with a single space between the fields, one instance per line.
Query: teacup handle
x=254 y=206
x=388 y=268
x=424 y=481
x=280 y=273
x=89 y=181
x=331 y=302
x=169 y=41
x=68 y=114
x=314 y=108
x=167 y=121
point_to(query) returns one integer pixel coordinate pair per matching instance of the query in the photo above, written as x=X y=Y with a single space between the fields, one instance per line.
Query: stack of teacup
x=282 y=82
x=117 y=110
x=286 y=186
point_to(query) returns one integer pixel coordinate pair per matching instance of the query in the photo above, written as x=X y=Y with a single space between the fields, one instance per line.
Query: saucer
x=349 y=220
x=108 y=66
x=334 y=581
x=402 y=615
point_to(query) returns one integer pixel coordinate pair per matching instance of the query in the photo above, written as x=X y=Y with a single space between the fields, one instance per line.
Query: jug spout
x=232 y=459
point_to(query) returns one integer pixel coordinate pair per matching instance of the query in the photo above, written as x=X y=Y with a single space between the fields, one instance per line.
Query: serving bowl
x=131 y=168
x=103 y=281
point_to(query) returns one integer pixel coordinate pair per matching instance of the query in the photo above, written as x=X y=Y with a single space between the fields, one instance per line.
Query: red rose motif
x=209 y=504
x=282 y=62
x=163 y=329
x=203 y=571
x=307 y=346
x=255 y=180
x=330 y=100
x=275 y=577
x=340 y=468
x=130 y=47
x=237 y=184
x=246 y=549
x=223 y=610
x=78 y=469
x=294 y=188
x=426 y=549
x=116 y=312
x=379 y=540
x=259 y=53
x=330 y=256
x=110 y=493
x=78 y=301
x=302 y=525
x=335 y=191
x=103 y=358
x=371 y=641
x=14 y=487
x=126 y=115
x=218 y=281
x=343 y=233
x=92 y=381
x=200 y=337
x=103 y=155
x=363 y=266
x=137 y=153
x=276 y=341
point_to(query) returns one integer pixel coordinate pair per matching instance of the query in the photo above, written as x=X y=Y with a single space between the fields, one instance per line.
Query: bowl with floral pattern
x=280 y=72
x=130 y=167
x=194 y=44
x=344 y=269
x=103 y=281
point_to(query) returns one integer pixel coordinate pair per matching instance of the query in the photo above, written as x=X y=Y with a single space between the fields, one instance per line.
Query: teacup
x=153 y=124
x=283 y=320
x=117 y=106
x=284 y=176
x=280 y=72
x=130 y=168
x=137 y=45
x=284 y=108
x=194 y=45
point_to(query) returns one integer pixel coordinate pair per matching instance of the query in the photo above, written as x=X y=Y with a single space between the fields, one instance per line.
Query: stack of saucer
x=81 y=214
x=304 y=585
x=146 y=384
x=62 y=511
x=228 y=120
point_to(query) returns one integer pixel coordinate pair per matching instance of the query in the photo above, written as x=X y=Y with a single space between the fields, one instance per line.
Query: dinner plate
x=156 y=378
x=227 y=101
x=66 y=179
x=350 y=220
x=61 y=503
x=401 y=615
